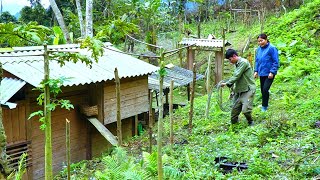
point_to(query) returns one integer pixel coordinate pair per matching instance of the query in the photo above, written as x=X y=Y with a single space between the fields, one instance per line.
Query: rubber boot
x=249 y=118
x=234 y=120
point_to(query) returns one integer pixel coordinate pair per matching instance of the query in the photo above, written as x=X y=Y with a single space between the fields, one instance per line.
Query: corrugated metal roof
x=29 y=66
x=215 y=43
x=180 y=76
x=9 y=87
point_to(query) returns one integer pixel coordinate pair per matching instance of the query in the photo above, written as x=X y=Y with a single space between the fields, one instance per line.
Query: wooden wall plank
x=7 y=124
x=134 y=99
x=127 y=111
x=22 y=121
x=78 y=138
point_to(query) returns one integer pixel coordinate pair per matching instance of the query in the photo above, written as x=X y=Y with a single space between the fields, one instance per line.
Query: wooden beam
x=190 y=57
x=218 y=66
x=104 y=131
x=136 y=120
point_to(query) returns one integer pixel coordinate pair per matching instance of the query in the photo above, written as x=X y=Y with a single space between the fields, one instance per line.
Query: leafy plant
x=18 y=173
x=116 y=30
x=120 y=166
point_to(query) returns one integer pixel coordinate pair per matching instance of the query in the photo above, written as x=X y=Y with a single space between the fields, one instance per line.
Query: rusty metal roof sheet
x=214 y=43
x=9 y=87
x=180 y=76
x=29 y=66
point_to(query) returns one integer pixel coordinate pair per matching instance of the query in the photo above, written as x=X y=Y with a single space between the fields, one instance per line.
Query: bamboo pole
x=180 y=56
x=150 y=120
x=119 y=130
x=223 y=51
x=171 y=112
x=208 y=86
x=68 y=148
x=160 y=120
x=47 y=116
x=192 y=97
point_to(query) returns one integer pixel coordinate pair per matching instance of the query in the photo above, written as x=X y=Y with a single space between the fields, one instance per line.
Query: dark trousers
x=242 y=102
x=265 y=84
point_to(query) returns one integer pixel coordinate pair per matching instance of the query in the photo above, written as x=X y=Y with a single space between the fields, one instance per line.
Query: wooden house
x=90 y=90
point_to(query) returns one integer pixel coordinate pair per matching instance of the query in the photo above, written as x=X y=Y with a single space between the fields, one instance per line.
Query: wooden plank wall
x=14 y=122
x=78 y=135
x=134 y=98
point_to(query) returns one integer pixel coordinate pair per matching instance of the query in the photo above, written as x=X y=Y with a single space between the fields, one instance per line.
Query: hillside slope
x=284 y=143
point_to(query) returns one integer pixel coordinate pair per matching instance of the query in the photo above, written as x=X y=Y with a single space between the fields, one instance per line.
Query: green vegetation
x=284 y=143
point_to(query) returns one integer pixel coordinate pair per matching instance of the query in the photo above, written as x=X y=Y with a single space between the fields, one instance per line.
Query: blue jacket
x=267 y=60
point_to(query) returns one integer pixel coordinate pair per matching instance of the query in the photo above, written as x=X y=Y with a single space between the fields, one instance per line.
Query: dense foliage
x=284 y=143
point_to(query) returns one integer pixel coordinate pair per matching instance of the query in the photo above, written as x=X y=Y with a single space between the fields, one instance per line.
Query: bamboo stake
x=150 y=120
x=223 y=50
x=208 y=86
x=180 y=56
x=68 y=147
x=160 y=120
x=192 y=97
x=47 y=116
x=119 y=130
x=171 y=112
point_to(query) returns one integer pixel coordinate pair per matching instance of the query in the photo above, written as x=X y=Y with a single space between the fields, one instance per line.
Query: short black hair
x=262 y=36
x=230 y=53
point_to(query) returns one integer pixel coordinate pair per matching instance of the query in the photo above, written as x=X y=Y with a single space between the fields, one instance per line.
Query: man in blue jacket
x=266 y=67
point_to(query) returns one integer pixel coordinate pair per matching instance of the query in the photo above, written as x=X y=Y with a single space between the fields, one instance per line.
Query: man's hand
x=255 y=74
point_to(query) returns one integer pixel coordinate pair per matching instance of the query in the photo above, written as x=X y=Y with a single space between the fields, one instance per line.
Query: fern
x=150 y=162
x=172 y=173
x=120 y=166
x=132 y=175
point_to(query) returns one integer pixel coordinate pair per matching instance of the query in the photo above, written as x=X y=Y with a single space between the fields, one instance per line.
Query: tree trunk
x=47 y=116
x=199 y=22
x=3 y=143
x=83 y=32
x=89 y=28
x=262 y=20
x=108 y=8
x=192 y=97
x=60 y=20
